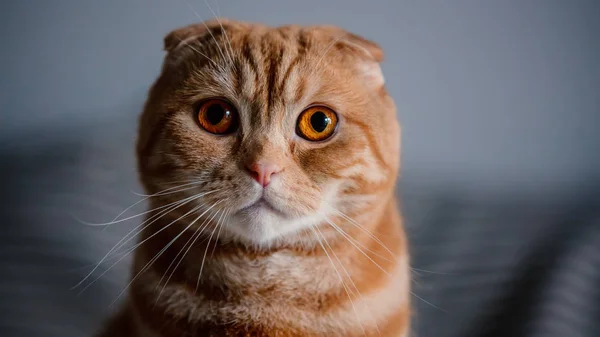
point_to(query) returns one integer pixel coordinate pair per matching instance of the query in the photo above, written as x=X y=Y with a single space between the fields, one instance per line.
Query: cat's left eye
x=217 y=116
x=317 y=123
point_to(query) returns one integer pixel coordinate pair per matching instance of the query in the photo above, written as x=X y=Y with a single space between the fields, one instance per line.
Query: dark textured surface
x=509 y=267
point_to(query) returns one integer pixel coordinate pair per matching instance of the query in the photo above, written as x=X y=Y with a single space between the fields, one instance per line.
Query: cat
x=271 y=155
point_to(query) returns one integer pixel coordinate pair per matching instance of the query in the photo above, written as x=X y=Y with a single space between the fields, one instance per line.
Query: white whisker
x=230 y=51
x=424 y=301
x=338 y=274
x=168 y=190
x=218 y=8
x=130 y=236
x=351 y=240
x=181 y=251
x=146 y=197
x=327 y=50
x=208 y=29
x=349 y=277
x=195 y=197
x=430 y=271
x=197 y=233
x=158 y=255
x=219 y=232
x=363 y=229
x=204 y=258
x=186 y=42
x=349 y=237
x=132 y=216
x=134 y=248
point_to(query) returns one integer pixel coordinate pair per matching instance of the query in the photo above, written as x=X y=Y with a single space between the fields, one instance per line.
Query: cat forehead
x=228 y=41
x=275 y=63
x=234 y=30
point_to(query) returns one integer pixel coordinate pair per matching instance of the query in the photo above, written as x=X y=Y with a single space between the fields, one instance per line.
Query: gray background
x=499 y=102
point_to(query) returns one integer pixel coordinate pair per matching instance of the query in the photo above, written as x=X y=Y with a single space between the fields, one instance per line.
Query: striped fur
x=305 y=267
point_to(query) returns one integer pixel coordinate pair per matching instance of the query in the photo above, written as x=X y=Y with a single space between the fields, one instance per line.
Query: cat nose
x=262 y=172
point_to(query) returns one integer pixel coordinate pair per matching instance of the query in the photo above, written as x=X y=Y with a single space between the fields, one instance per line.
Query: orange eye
x=316 y=123
x=217 y=116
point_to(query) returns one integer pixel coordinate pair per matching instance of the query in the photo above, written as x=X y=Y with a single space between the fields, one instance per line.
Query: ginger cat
x=271 y=155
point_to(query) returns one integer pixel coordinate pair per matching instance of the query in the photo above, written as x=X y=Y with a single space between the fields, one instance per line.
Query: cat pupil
x=319 y=121
x=215 y=114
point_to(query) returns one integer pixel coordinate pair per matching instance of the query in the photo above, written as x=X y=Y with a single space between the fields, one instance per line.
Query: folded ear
x=363 y=54
x=180 y=36
x=369 y=68
x=345 y=40
x=367 y=56
x=368 y=47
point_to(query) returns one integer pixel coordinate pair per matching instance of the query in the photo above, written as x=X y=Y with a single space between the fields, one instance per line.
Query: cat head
x=269 y=130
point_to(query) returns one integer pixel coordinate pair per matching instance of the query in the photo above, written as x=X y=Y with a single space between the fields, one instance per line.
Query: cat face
x=270 y=130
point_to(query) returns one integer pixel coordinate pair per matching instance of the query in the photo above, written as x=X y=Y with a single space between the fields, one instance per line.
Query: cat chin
x=265 y=226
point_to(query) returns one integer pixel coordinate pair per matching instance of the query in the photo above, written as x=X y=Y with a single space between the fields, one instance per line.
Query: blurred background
x=500 y=186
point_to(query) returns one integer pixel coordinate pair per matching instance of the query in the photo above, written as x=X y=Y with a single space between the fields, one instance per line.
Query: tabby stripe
x=247 y=53
x=301 y=87
x=371 y=139
x=272 y=69
x=299 y=56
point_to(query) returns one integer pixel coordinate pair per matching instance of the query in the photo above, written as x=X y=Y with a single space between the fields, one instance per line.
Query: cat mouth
x=261 y=205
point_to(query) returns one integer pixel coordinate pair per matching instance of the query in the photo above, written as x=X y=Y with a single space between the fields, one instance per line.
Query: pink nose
x=262 y=172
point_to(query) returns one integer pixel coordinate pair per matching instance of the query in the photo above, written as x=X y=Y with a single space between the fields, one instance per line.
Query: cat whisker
x=327 y=51
x=193 y=238
x=349 y=237
x=159 y=254
x=124 y=240
x=204 y=258
x=182 y=250
x=186 y=42
x=135 y=247
x=218 y=8
x=169 y=190
x=129 y=235
x=349 y=277
x=219 y=232
x=230 y=51
x=115 y=221
x=195 y=197
x=127 y=252
x=430 y=271
x=316 y=234
x=363 y=229
x=352 y=241
x=362 y=246
x=166 y=191
x=119 y=254
x=208 y=29
x=426 y=302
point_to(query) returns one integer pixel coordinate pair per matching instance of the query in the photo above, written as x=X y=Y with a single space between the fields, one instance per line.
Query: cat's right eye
x=217 y=116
